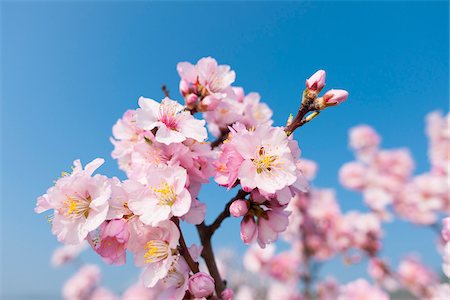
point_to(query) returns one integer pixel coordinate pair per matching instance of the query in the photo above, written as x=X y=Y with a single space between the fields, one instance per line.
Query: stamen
x=166 y=194
x=157 y=250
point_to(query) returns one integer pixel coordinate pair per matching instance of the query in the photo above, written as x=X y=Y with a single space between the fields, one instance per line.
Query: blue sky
x=69 y=71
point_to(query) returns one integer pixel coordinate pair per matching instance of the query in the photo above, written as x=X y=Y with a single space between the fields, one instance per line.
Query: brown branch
x=208 y=256
x=221 y=138
x=184 y=251
x=165 y=90
x=206 y=232
x=241 y=194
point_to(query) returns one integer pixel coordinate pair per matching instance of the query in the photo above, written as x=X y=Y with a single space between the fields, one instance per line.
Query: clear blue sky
x=69 y=71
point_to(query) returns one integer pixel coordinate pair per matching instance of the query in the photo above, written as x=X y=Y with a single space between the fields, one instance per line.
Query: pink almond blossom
x=110 y=241
x=162 y=196
x=173 y=123
x=79 y=201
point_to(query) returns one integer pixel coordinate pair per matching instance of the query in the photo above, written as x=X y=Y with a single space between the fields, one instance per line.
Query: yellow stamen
x=165 y=194
x=157 y=250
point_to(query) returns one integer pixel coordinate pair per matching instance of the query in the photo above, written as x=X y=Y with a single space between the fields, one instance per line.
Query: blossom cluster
x=384 y=177
x=163 y=149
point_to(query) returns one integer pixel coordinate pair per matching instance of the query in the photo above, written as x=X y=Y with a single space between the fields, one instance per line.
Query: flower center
x=165 y=194
x=264 y=162
x=157 y=250
x=174 y=278
x=168 y=114
x=76 y=206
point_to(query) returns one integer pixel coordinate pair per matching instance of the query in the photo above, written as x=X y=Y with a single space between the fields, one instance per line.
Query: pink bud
x=238 y=208
x=184 y=87
x=240 y=95
x=191 y=99
x=248 y=229
x=446 y=229
x=333 y=97
x=201 y=285
x=317 y=81
x=227 y=294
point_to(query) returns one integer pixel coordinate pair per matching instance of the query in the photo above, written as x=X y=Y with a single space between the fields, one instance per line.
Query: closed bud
x=238 y=208
x=316 y=82
x=191 y=100
x=201 y=285
x=331 y=98
x=184 y=87
x=227 y=294
x=248 y=229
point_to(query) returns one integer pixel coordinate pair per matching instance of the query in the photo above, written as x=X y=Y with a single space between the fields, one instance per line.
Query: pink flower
x=196 y=213
x=67 y=253
x=380 y=272
x=138 y=291
x=82 y=284
x=110 y=242
x=353 y=175
x=227 y=294
x=328 y=289
x=255 y=112
x=282 y=290
x=446 y=229
x=316 y=82
x=207 y=80
x=364 y=138
x=162 y=196
x=416 y=276
x=256 y=258
x=175 y=284
x=271 y=219
x=103 y=294
x=267 y=161
x=361 y=290
x=248 y=229
x=238 y=208
x=227 y=165
x=126 y=134
x=284 y=267
x=173 y=123
x=308 y=168
x=201 y=285
x=79 y=201
x=157 y=246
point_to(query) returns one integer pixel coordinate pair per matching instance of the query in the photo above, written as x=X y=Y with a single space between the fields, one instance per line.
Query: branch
x=241 y=194
x=184 y=251
x=165 y=90
x=206 y=232
x=222 y=137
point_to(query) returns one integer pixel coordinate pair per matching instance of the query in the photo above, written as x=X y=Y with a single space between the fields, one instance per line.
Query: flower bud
x=316 y=82
x=239 y=92
x=184 y=87
x=201 y=285
x=248 y=229
x=238 y=208
x=227 y=294
x=191 y=99
x=331 y=98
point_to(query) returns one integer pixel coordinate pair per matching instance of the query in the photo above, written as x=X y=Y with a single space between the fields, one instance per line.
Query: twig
x=165 y=90
x=184 y=251
x=221 y=138
x=206 y=232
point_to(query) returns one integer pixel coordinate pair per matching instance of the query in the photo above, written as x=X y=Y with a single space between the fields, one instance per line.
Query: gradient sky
x=69 y=71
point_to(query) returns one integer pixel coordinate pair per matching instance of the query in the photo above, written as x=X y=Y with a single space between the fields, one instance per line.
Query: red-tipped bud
x=316 y=82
